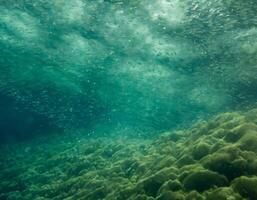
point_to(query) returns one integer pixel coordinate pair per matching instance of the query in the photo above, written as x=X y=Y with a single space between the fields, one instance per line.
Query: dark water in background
x=125 y=67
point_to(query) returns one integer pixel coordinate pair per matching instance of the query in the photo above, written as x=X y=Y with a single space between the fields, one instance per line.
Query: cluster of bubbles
x=151 y=65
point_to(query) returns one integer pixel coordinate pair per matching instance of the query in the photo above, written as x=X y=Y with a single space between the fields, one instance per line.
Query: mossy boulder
x=76 y=168
x=98 y=193
x=185 y=160
x=251 y=115
x=200 y=150
x=219 y=144
x=223 y=193
x=166 y=162
x=246 y=186
x=127 y=192
x=227 y=161
x=204 y=180
x=249 y=142
x=194 y=195
x=229 y=120
x=152 y=184
x=141 y=197
x=171 y=185
x=169 y=195
x=189 y=169
x=236 y=133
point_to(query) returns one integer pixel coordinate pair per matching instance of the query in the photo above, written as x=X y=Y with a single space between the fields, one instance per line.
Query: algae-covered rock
x=141 y=197
x=126 y=193
x=236 y=133
x=152 y=184
x=214 y=160
x=194 y=195
x=204 y=180
x=226 y=161
x=166 y=162
x=251 y=115
x=189 y=169
x=223 y=193
x=249 y=142
x=185 y=160
x=169 y=195
x=200 y=150
x=246 y=186
x=171 y=185
x=98 y=193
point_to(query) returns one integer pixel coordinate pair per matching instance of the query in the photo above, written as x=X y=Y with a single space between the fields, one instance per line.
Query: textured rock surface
x=214 y=160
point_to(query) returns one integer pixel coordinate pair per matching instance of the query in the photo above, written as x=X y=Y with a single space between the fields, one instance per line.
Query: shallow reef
x=213 y=160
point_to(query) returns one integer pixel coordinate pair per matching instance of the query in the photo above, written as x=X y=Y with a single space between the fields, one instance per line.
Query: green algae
x=211 y=160
x=246 y=186
x=204 y=180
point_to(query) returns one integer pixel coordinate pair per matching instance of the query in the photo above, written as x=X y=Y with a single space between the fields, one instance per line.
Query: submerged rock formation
x=214 y=160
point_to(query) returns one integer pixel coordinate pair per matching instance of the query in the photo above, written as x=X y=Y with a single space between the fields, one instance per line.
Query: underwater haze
x=85 y=84
x=144 y=65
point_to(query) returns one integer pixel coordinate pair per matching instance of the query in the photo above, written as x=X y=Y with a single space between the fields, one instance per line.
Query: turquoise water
x=147 y=65
x=115 y=68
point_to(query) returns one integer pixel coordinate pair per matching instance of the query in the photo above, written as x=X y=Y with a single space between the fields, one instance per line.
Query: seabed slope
x=214 y=160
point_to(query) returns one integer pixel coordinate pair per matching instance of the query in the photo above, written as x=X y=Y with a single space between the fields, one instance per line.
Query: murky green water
x=114 y=76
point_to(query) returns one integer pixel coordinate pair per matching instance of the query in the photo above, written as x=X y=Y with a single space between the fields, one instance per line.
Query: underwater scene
x=128 y=100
